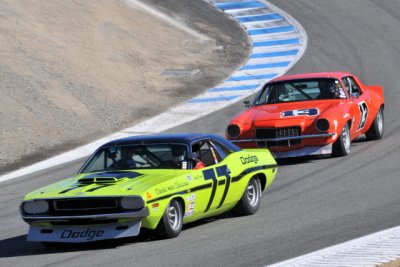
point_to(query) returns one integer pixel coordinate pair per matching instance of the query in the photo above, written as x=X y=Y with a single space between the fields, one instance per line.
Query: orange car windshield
x=300 y=90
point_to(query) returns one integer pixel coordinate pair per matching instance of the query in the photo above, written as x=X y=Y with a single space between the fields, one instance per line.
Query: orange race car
x=310 y=114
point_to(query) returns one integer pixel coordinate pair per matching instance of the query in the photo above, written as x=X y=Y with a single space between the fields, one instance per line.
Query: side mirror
x=247 y=103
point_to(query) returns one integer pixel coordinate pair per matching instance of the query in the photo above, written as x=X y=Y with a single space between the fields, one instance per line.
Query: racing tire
x=342 y=145
x=376 y=130
x=171 y=222
x=251 y=199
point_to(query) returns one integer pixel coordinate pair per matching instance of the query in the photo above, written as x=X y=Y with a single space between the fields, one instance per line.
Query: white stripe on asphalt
x=370 y=250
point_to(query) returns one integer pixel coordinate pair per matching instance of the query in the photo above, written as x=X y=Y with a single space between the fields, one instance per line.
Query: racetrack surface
x=313 y=203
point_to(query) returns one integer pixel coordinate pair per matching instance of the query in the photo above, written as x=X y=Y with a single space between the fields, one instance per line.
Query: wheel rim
x=174 y=216
x=346 y=139
x=253 y=193
x=379 y=121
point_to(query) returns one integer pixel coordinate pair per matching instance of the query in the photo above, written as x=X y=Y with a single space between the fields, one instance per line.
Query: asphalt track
x=314 y=203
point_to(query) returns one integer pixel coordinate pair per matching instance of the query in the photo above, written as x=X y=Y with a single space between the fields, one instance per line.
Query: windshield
x=300 y=90
x=151 y=156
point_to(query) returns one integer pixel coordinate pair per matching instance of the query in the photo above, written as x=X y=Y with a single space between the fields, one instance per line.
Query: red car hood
x=282 y=111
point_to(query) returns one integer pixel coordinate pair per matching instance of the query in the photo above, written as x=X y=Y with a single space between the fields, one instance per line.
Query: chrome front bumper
x=304 y=151
x=308 y=136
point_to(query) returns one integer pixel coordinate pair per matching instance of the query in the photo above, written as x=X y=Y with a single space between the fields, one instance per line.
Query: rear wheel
x=251 y=199
x=342 y=145
x=171 y=223
x=375 y=132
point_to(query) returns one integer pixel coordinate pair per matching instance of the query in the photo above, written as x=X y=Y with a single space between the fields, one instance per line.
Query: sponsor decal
x=249 y=159
x=172 y=187
x=191 y=197
x=189 y=213
x=190 y=205
x=300 y=112
x=189 y=177
x=155 y=206
x=88 y=234
x=148 y=195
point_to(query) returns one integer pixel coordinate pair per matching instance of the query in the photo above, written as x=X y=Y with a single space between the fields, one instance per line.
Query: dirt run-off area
x=74 y=71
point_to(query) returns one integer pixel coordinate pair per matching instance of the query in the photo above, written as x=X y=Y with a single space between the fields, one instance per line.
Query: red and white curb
x=370 y=250
x=278 y=43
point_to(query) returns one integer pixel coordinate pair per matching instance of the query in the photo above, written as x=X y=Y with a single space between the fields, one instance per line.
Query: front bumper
x=83 y=233
x=291 y=151
x=307 y=136
x=96 y=217
x=304 y=151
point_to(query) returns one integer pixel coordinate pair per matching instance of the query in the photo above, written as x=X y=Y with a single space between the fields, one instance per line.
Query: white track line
x=205 y=103
x=370 y=250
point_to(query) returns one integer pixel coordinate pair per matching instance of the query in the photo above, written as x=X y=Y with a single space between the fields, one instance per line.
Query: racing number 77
x=222 y=171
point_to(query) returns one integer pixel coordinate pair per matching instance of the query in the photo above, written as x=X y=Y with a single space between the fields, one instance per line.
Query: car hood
x=287 y=111
x=118 y=183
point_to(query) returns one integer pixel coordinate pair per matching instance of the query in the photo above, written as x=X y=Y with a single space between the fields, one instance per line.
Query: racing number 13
x=209 y=174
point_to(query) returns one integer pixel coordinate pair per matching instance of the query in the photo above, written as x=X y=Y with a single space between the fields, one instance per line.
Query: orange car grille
x=270 y=133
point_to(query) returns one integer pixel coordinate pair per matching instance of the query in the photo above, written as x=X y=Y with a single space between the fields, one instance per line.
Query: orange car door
x=359 y=102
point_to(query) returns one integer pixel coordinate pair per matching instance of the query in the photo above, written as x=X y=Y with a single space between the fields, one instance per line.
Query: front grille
x=85 y=206
x=270 y=133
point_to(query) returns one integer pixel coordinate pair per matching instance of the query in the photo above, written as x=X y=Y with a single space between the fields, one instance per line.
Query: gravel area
x=74 y=71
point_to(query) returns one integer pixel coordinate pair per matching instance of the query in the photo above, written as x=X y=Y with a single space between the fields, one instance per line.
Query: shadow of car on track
x=18 y=246
x=308 y=159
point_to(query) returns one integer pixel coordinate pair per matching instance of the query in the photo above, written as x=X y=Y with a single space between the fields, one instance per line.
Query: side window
x=262 y=97
x=113 y=156
x=206 y=153
x=278 y=93
x=347 y=85
x=221 y=149
x=355 y=89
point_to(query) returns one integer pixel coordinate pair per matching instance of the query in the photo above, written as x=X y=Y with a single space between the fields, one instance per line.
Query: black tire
x=171 y=222
x=342 y=145
x=376 y=130
x=251 y=199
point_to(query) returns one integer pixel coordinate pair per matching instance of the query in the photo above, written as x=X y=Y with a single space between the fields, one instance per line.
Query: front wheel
x=251 y=198
x=375 y=132
x=171 y=222
x=342 y=145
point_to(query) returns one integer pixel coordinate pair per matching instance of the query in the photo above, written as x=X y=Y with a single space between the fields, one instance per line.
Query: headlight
x=233 y=131
x=35 y=207
x=322 y=125
x=132 y=203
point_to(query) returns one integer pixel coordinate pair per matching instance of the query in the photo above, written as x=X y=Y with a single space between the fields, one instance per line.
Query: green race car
x=158 y=182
